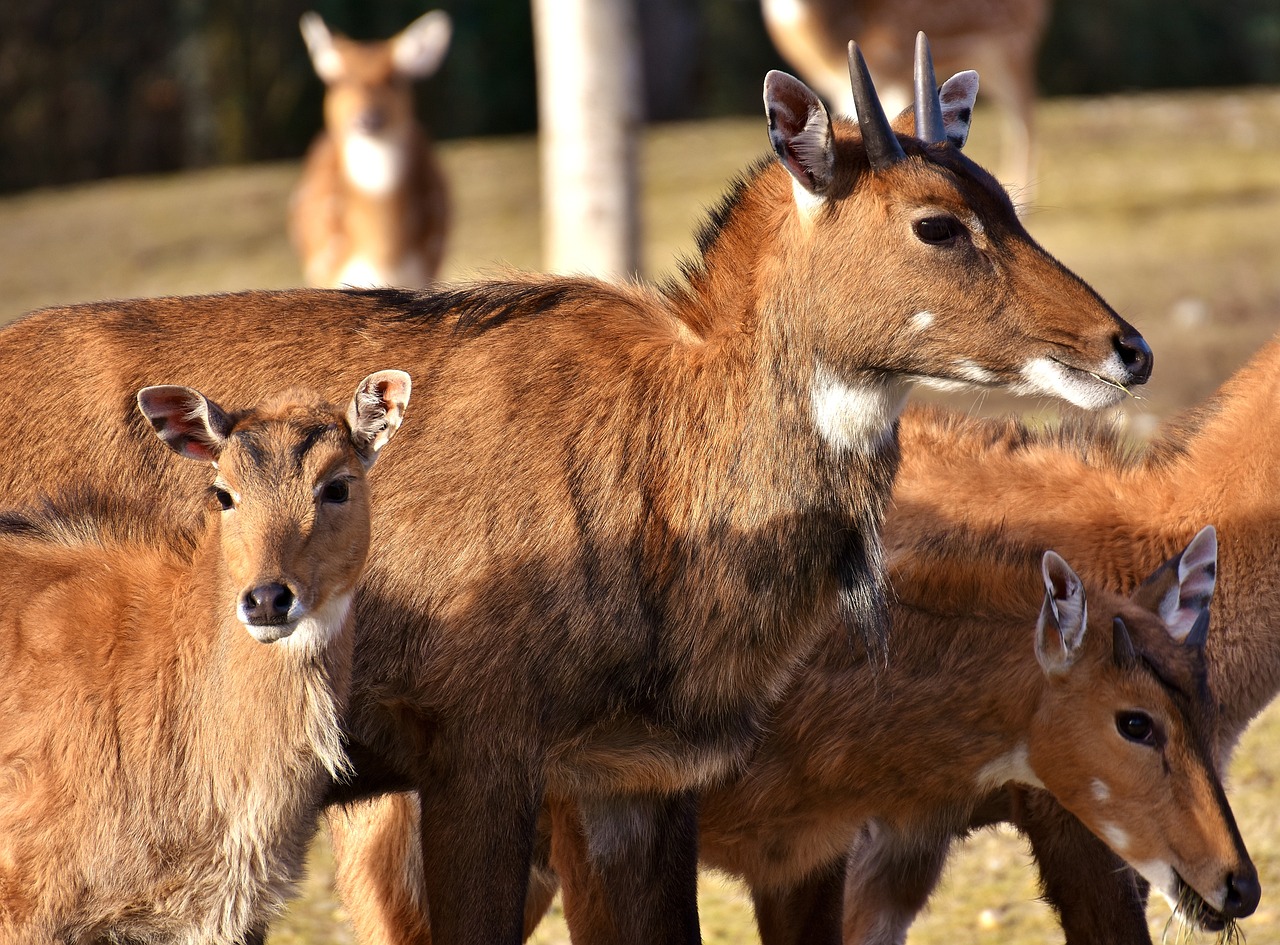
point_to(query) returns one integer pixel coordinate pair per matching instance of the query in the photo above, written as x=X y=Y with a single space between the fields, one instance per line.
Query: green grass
x=1168 y=204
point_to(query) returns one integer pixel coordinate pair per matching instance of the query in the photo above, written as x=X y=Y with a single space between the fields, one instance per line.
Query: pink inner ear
x=193 y=448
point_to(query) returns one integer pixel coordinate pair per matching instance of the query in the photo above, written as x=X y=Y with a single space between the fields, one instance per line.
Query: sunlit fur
x=372 y=207
x=624 y=531
x=160 y=770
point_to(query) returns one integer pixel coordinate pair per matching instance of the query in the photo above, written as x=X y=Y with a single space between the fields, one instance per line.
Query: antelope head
x=1123 y=737
x=290 y=495
x=948 y=289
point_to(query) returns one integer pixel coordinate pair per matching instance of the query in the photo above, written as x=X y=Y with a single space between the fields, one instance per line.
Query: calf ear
x=325 y=58
x=800 y=131
x=186 y=421
x=1063 y=618
x=419 y=48
x=1181 y=590
x=376 y=412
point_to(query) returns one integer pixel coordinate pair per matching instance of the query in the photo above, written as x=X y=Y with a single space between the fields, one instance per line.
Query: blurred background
x=151 y=147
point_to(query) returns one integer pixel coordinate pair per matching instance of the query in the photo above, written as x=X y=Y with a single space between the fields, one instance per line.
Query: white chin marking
x=1046 y=376
x=373 y=166
x=1013 y=766
x=854 y=417
x=320 y=627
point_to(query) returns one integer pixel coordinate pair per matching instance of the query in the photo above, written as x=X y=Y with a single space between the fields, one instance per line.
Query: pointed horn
x=1122 y=644
x=883 y=149
x=930 y=127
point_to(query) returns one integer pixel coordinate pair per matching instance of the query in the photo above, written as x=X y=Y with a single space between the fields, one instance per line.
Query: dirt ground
x=1168 y=204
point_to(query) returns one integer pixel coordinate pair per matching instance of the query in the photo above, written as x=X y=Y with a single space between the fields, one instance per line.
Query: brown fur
x=624 y=531
x=160 y=770
x=343 y=232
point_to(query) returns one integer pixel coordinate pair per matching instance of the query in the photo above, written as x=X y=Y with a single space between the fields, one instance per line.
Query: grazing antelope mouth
x=1191 y=907
x=1109 y=382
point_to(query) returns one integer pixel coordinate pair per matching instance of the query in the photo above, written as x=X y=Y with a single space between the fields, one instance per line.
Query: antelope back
x=291 y=490
x=1123 y=734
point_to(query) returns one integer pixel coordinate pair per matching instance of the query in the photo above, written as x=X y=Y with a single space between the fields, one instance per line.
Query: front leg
x=1098 y=899
x=628 y=868
x=806 y=913
x=889 y=880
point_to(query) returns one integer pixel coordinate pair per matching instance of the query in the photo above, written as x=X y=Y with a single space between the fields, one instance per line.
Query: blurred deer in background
x=372 y=207
x=998 y=38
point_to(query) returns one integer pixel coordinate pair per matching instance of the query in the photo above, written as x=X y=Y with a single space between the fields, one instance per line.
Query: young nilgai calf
x=638 y=509
x=171 y=704
x=372 y=207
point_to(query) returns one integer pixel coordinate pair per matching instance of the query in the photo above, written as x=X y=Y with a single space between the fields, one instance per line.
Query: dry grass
x=1169 y=205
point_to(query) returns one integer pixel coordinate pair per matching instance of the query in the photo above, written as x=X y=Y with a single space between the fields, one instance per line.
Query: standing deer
x=171 y=705
x=999 y=38
x=372 y=208
x=1120 y=512
x=639 y=508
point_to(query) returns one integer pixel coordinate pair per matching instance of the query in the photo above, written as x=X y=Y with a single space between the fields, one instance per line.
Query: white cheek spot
x=1046 y=376
x=974 y=372
x=921 y=320
x=1117 y=837
x=1101 y=791
x=854 y=418
x=1013 y=766
x=373 y=165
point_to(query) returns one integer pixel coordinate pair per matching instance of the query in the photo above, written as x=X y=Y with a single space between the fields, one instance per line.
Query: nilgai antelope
x=999 y=38
x=171 y=702
x=1120 y=511
x=372 y=208
x=639 y=508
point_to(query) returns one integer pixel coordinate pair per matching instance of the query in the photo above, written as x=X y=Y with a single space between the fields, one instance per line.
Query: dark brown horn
x=1122 y=644
x=883 y=149
x=929 y=125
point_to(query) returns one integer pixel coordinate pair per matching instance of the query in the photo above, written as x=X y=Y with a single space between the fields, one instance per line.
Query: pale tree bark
x=589 y=114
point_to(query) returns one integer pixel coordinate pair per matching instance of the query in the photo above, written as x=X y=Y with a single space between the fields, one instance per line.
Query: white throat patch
x=1013 y=766
x=855 y=417
x=373 y=166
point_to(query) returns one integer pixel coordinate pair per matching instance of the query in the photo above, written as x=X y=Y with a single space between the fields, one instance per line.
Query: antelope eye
x=936 y=230
x=225 y=502
x=1136 y=727
x=337 y=491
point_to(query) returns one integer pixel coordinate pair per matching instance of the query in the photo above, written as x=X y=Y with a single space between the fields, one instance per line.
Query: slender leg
x=1098 y=899
x=628 y=869
x=477 y=834
x=378 y=855
x=805 y=914
x=888 y=882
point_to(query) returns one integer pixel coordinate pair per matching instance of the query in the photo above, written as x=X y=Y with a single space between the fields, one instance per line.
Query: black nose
x=1243 y=894
x=265 y=605
x=1136 y=355
x=371 y=121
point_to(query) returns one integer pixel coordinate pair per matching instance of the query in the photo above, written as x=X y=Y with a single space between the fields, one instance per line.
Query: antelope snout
x=269 y=611
x=1135 y=354
x=1243 y=893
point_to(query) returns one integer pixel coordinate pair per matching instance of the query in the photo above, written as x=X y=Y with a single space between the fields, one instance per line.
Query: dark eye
x=225 y=502
x=336 y=491
x=936 y=230
x=1137 y=727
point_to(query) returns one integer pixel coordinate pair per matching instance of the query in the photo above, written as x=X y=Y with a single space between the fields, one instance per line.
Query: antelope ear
x=325 y=58
x=419 y=48
x=1181 y=590
x=186 y=421
x=800 y=131
x=376 y=412
x=1063 y=618
x=957 y=95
